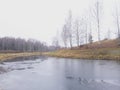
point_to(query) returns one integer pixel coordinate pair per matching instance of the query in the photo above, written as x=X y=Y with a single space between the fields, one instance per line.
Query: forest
x=10 y=44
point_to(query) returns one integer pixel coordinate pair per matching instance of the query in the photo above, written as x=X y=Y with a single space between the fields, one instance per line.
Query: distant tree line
x=22 y=45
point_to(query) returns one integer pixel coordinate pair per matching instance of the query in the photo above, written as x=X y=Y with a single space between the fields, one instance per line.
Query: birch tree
x=117 y=19
x=64 y=35
x=79 y=31
x=97 y=12
x=69 y=28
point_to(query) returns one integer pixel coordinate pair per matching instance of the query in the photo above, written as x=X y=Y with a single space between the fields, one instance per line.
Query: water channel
x=48 y=73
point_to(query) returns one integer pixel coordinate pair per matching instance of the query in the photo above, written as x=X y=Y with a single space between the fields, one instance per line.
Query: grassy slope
x=108 y=53
x=5 y=56
x=106 y=50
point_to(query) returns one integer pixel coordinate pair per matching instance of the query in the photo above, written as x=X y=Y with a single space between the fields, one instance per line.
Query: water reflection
x=26 y=58
x=60 y=74
x=20 y=63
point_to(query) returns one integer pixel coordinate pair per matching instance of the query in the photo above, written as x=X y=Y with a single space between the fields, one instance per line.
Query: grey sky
x=40 y=19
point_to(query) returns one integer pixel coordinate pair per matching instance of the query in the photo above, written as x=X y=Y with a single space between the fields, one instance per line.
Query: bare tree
x=69 y=28
x=117 y=19
x=77 y=32
x=90 y=37
x=86 y=33
x=64 y=35
x=85 y=28
x=79 y=29
x=55 y=43
x=97 y=15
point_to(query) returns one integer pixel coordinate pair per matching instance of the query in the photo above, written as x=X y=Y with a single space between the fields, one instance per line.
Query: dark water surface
x=44 y=73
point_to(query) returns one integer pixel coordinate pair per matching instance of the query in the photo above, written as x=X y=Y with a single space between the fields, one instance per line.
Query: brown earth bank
x=101 y=54
x=8 y=56
x=103 y=50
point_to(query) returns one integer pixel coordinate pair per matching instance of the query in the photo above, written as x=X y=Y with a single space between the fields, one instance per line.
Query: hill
x=112 y=43
x=103 y=50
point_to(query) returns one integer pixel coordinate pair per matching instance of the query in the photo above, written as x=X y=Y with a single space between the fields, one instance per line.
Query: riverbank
x=102 y=54
x=7 y=56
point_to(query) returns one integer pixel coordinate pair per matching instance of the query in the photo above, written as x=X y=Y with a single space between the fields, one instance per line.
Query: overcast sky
x=41 y=19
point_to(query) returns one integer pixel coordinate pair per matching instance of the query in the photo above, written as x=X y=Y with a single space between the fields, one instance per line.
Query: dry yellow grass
x=105 y=53
x=6 y=56
x=105 y=49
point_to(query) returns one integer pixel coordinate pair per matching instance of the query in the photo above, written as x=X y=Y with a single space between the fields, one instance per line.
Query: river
x=47 y=73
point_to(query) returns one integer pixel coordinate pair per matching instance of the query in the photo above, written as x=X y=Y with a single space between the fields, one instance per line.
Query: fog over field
x=42 y=19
